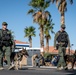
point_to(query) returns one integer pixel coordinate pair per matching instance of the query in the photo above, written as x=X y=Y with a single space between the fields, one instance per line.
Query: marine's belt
x=61 y=42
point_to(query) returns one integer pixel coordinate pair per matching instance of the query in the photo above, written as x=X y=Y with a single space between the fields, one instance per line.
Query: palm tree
x=48 y=27
x=40 y=16
x=62 y=7
x=12 y=33
x=29 y=32
x=12 y=41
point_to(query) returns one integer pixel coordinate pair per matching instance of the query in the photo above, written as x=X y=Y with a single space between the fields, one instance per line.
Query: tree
x=13 y=36
x=12 y=41
x=62 y=7
x=40 y=16
x=47 y=28
x=29 y=32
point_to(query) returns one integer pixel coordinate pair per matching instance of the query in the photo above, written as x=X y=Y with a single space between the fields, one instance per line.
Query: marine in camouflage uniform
x=6 y=41
x=61 y=42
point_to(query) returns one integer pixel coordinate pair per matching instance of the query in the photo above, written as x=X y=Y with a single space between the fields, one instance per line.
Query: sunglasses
x=63 y=27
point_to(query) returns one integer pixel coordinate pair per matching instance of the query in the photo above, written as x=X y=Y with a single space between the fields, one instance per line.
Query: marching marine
x=61 y=42
x=6 y=41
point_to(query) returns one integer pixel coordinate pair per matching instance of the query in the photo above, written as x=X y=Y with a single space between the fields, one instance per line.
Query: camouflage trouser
x=61 y=52
x=7 y=53
x=1 y=57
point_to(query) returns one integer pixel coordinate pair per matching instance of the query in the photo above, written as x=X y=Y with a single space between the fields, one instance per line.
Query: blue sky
x=14 y=12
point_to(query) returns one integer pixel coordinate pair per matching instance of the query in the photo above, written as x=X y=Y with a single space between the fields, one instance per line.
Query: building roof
x=20 y=42
x=53 y=51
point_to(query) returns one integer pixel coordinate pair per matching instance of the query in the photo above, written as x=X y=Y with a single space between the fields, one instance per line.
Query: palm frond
x=57 y=2
x=71 y=1
x=52 y=1
x=37 y=16
x=29 y=31
x=47 y=4
x=31 y=11
x=48 y=15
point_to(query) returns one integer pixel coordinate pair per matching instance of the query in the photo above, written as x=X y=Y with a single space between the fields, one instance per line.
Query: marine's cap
x=4 y=23
x=63 y=26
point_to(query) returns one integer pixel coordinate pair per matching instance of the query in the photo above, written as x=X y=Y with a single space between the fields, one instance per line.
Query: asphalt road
x=37 y=71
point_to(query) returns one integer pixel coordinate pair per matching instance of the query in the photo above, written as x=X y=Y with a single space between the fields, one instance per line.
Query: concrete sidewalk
x=46 y=67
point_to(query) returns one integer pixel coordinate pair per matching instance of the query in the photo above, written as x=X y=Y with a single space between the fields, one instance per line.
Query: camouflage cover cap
x=4 y=23
x=63 y=26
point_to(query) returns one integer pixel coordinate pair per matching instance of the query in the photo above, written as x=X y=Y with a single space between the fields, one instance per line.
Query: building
x=53 y=51
x=32 y=52
x=20 y=44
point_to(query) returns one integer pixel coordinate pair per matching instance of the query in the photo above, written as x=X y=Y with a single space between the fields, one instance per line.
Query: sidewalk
x=45 y=67
x=48 y=67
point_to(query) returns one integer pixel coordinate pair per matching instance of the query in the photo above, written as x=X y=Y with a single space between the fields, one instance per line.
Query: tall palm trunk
x=41 y=36
x=62 y=18
x=30 y=41
x=47 y=44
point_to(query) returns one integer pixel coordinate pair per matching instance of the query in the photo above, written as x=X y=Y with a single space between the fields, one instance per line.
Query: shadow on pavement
x=23 y=68
x=68 y=72
x=72 y=71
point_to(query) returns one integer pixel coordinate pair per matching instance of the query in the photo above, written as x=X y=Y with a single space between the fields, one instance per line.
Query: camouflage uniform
x=61 y=45
x=1 y=57
x=5 y=48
